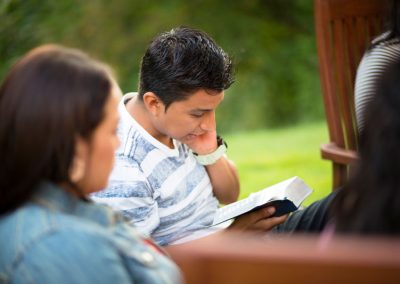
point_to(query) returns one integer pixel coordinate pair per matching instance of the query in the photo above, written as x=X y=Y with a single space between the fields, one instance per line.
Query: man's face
x=188 y=119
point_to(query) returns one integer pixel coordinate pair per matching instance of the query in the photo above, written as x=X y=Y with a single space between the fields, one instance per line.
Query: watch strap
x=213 y=157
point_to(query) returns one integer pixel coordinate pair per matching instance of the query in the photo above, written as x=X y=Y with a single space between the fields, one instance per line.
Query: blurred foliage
x=272 y=43
x=267 y=156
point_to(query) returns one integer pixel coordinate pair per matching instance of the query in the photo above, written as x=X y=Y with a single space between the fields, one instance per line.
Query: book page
x=298 y=191
x=234 y=209
x=274 y=192
x=293 y=189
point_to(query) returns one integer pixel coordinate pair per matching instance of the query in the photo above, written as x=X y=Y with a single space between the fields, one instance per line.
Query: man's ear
x=153 y=103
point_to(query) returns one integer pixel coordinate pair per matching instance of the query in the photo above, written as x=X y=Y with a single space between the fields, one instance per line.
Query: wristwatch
x=211 y=158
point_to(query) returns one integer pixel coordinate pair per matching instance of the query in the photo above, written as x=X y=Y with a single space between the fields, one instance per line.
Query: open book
x=285 y=196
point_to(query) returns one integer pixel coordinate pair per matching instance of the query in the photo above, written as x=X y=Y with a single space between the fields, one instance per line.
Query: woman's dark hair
x=49 y=98
x=392 y=24
x=182 y=61
x=370 y=203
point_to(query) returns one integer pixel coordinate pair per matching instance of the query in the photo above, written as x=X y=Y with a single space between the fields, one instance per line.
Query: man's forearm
x=225 y=180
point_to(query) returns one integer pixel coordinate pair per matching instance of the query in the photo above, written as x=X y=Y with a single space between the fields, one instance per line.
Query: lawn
x=268 y=156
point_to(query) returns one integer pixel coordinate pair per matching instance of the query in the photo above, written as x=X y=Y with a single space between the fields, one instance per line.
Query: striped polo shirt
x=164 y=192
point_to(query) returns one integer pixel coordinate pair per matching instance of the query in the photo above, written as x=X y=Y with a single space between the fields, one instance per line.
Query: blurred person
x=384 y=50
x=58 y=119
x=171 y=169
x=370 y=203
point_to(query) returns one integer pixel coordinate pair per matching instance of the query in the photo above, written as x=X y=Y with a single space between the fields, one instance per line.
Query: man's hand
x=203 y=144
x=259 y=220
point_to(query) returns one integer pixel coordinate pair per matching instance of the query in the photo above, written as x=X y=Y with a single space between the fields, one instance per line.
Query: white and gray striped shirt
x=164 y=192
x=371 y=67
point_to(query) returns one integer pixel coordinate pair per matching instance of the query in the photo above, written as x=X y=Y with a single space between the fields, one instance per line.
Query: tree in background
x=272 y=43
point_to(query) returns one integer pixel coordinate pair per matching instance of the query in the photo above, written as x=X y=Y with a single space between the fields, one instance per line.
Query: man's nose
x=208 y=123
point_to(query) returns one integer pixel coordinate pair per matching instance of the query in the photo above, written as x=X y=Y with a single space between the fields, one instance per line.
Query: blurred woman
x=58 y=119
x=370 y=203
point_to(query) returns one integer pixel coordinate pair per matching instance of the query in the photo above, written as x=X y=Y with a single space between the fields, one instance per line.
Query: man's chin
x=192 y=136
x=188 y=138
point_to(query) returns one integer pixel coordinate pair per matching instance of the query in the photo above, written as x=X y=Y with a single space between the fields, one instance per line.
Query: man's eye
x=197 y=114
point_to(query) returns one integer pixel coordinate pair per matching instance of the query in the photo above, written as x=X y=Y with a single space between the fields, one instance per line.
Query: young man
x=171 y=170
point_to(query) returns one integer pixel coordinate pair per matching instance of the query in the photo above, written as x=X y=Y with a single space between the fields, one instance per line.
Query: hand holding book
x=285 y=196
x=257 y=220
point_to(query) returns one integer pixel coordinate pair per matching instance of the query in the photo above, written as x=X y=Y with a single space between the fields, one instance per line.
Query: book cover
x=286 y=196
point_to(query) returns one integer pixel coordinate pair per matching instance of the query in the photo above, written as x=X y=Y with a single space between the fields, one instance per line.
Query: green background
x=272 y=43
x=272 y=116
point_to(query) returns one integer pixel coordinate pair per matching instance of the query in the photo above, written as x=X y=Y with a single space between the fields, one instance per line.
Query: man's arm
x=225 y=180
x=223 y=173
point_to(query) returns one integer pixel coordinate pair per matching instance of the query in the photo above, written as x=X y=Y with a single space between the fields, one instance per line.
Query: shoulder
x=134 y=146
x=376 y=60
x=129 y=131
x=50 y=248
x=127 y=180
x=72 y=251
x=383 y=52
x=74 y=232
x=83 y=254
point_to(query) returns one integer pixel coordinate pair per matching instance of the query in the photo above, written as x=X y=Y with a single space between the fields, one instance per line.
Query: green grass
x=266 y=157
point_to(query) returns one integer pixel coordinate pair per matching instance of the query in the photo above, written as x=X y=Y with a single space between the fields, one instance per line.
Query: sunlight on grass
x=266 y=157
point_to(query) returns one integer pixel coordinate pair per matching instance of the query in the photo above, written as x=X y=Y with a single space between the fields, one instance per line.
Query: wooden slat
x=339 y=67
x=323 y=34
x=344 y=29
x=351 y=39
x=347 y=98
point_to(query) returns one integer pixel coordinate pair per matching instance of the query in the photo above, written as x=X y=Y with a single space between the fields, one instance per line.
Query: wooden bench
x=230 y=258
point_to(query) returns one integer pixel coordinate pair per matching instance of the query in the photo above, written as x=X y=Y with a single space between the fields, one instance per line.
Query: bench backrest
x=241 y=259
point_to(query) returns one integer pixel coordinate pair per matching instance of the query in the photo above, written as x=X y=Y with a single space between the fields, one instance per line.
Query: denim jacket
x=58 y=238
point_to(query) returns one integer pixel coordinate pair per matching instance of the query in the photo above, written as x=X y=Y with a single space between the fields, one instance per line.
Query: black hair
x=182 y=61
x=370 y=202
x=49 y=98
x=392 y=24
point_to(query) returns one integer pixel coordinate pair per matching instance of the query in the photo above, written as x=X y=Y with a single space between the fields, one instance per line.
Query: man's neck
x=138 y=111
